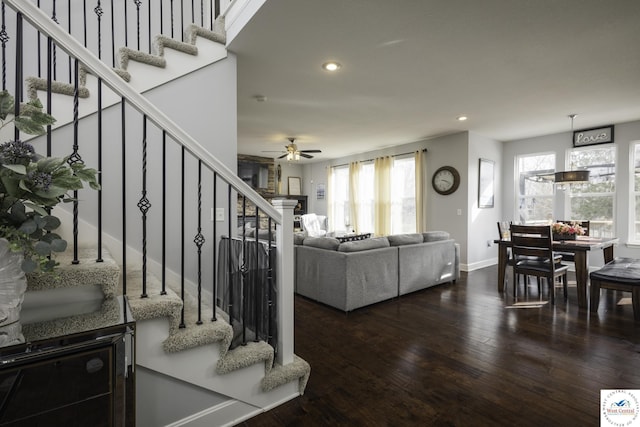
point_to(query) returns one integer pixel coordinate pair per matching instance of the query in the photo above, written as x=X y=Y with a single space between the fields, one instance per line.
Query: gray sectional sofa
x=351 y=275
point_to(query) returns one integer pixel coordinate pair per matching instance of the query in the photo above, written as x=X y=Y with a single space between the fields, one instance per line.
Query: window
x=535 y=188
x=635 y=186
x=594 y=200
x=366 y=197
x=340 y=197
x=403 y=195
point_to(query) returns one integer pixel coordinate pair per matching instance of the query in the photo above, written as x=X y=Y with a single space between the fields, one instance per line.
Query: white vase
x=13 y=284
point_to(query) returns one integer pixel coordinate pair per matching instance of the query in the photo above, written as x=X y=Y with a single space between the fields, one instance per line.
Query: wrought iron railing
x=158 y=184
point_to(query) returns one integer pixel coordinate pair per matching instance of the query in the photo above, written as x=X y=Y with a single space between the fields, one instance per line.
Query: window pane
x=403 y=197
x=535 y=188
x=365 y=193
x=340 y=197
x=594 y=200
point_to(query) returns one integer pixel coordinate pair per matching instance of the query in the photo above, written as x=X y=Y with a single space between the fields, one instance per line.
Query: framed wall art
x=294 y=185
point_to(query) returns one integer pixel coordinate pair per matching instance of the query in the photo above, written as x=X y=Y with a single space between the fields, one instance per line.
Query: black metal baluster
x=193 y=12
x=50 y=48
x=161 y=17
x=149 y=23
x=126 y=24
x=84 y=15
x=216 y=13
x=75 y=158
x=182 y=20
x=199 y=241
x=98 y=11
x=18 y=77
x=113 y=37
x=54 y=18
x=215 y=246
x=123 y=120
x=229 y=261
x=202 y=13
x=69 y=30
x=182 y=221
x=39 y=54
x=171 y=18
x=144 y=205
x=138 y=3
x=164 y=212
x=4 y=38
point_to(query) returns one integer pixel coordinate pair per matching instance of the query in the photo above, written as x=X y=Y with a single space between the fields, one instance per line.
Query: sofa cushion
x=405 y=239
x=330 y=243
x=434 y=236
x=363 y=245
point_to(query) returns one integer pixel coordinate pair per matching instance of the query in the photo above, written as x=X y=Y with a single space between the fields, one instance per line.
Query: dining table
x=579 y=247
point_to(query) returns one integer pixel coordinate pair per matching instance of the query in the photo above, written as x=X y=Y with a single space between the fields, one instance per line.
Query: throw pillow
x=434 y=236
x=329 y=243
x=405 y=239
x=364 y=245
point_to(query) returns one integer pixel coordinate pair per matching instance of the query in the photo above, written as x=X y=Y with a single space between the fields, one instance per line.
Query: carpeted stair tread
x=280 y=375
x=246 y=355
x=87 y=272
x=109 y=313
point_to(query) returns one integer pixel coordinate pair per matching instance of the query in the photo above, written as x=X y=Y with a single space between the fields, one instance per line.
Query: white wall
x=625 y=134
x=482 y=227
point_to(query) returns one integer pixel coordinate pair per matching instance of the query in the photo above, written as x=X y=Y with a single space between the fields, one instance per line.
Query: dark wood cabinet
x=80 y=379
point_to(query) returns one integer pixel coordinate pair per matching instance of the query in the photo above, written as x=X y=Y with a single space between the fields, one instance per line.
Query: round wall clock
x=446 y=180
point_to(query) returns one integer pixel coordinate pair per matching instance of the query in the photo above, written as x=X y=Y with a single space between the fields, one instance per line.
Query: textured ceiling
x=516 y=68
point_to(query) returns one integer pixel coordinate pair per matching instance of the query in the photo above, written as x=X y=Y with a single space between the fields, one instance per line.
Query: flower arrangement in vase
x=31 y=185
x=564 y=231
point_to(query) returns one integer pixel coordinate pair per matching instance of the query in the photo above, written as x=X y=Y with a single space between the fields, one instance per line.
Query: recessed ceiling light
x=462 y=118
x=331 y=66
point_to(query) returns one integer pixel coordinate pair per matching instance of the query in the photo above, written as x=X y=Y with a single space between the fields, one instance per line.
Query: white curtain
x=382 y=188
x=329 y=196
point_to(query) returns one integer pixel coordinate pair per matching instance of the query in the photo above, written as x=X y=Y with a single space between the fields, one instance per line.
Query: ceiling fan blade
x=311 y=151
x=283 y=156
x=307 y=156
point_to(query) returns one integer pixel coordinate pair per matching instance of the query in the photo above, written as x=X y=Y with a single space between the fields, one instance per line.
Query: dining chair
x=570 y=256
x=533 y=256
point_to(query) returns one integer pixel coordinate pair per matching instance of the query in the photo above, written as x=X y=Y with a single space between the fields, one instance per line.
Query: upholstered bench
x=621 y=274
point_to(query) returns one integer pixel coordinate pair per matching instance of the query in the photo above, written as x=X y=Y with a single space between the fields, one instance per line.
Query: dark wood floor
x=453 y=355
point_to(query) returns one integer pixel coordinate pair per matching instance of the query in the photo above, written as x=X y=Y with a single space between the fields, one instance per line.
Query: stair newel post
x=284 y=280
x=75 y=158
x=144 y=205
x=164 y=213
x=270 y=288
x=199 y=241
x=215 y=246
x=182 y=235
x=244 y=270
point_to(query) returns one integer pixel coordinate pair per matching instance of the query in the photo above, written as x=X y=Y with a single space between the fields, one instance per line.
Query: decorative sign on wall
x=601 y=135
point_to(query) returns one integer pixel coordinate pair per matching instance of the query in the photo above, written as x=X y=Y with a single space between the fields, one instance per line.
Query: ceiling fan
x=294 y=154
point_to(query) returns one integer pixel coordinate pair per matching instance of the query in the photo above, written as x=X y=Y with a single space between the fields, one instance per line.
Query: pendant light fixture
x=572 y=176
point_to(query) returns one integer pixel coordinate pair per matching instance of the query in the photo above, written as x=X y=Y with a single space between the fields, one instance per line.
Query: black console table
x=81 y=377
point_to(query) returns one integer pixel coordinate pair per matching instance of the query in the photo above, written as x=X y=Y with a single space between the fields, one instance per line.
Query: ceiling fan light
x=289 y=156
x=297 y=155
